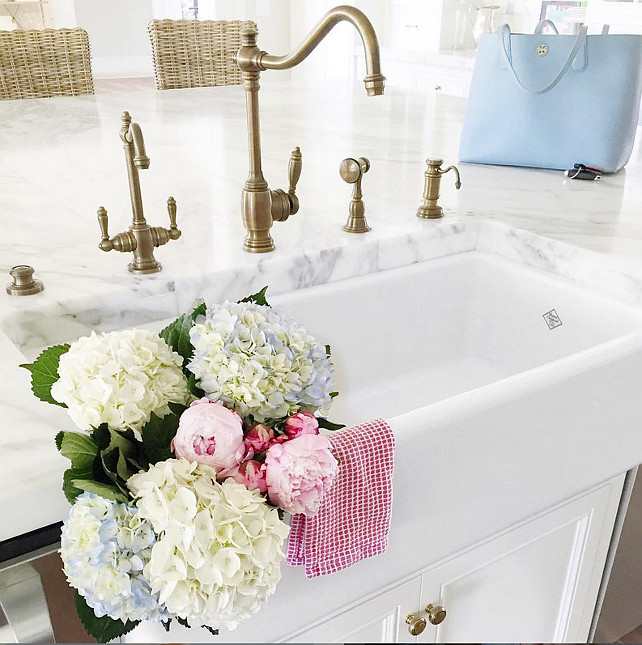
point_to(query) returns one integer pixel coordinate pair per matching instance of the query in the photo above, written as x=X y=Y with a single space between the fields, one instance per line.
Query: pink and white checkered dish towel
x=353 y=521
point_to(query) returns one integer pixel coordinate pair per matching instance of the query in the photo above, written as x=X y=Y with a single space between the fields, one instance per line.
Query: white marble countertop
x=61 y=158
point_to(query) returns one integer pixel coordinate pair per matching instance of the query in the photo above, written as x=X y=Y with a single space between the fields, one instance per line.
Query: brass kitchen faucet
x=260 y=205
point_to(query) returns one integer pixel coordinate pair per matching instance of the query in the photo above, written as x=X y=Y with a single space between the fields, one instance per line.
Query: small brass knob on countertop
x=352 y=171
x=436 y=614
x=416 y=624
x=23 y=283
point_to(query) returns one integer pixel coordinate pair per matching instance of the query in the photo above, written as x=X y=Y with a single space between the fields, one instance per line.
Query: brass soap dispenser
x=429 y=208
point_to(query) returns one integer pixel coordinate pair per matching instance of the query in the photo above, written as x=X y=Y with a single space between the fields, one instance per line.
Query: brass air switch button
x=23 y=283
x=436 y=614
x=416 y=624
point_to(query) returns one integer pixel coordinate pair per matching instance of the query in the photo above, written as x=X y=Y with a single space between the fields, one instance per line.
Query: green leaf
x=211 y=630
x=157 y=436
x=193 y=387
x=103 y=490
x=102 y=629
x=176 y=334
x=328 y=425
x=122 y=467
x=258 y=297
x=102 y=436
x=328 y=351
x=59 y=437
x=44 y=372
x=183 y=622
x=333 y=394
x=68 y=478
x=123 y=443
x=177 y=408
x=79 y=448
x=116 y=467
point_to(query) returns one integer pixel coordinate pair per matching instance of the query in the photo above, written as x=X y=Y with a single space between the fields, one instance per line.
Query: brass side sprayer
x=141 y=238
x=352 y=172
x=260 y=206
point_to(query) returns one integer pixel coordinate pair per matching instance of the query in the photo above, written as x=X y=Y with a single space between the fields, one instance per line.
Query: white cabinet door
x=379 y=620
x=536 y=582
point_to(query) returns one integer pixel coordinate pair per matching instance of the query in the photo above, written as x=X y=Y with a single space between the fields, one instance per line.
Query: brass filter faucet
x=141 y=238
x=429 y=208
x=260 y=206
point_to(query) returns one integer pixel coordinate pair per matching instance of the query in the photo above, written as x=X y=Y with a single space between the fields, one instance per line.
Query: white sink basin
x=423 y=333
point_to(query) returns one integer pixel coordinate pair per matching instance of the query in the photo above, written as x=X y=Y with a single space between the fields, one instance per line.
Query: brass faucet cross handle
x=429 y=208
x=141 y=238
x=352 y=171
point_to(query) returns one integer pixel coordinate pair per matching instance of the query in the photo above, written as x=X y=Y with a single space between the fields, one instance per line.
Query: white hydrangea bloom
x=119 y=378
x=218 y=555
x=259 y=362
x=104 y=548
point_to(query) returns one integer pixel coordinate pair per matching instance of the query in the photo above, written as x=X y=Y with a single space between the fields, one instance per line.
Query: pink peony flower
x=258 y=437
x=252 y=475
x=299 y=472
x=210 y=434
x=301 y=423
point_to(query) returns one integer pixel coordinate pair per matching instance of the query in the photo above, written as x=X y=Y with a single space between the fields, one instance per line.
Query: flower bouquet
x=192 y=443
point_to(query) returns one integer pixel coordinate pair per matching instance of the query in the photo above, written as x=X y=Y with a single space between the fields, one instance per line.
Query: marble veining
x=61 y=158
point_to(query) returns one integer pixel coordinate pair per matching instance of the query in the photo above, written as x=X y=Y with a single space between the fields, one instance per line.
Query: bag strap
x=545 y=23
x=506 y=58
x=605 y=29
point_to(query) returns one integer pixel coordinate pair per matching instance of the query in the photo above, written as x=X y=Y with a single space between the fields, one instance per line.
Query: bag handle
x=506 y=57
x=545 y=23
x=549 y=23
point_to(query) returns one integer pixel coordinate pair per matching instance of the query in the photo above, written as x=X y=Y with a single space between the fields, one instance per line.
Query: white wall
x=118 y=38
x=63 y=13
x=272 y=17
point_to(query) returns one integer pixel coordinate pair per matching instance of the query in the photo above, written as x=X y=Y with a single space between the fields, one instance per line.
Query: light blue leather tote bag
x=550 y=101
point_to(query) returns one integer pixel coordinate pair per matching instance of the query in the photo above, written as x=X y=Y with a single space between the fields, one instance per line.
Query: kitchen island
x=60 y=159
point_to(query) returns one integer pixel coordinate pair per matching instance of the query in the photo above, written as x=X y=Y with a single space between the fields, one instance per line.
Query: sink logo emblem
x=552 y=319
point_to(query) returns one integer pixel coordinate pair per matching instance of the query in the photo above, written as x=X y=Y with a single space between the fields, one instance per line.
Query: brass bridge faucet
x=261 y=206
x=141 y=238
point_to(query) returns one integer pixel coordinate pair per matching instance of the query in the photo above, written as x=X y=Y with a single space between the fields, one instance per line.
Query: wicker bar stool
x=196 y=53
x=38 y=63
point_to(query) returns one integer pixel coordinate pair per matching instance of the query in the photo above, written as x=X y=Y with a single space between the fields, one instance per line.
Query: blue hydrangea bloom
x=105 y=546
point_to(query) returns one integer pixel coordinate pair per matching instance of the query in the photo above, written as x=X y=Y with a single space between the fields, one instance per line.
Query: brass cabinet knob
x=436 y=614
x=416 y=624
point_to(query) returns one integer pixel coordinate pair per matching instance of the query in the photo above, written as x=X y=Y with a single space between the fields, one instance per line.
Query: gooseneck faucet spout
x=135 y=135
x=260 y=205
x=374 y=79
